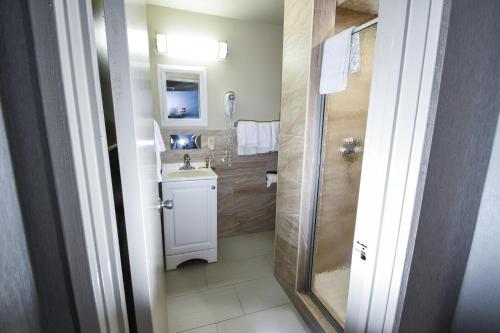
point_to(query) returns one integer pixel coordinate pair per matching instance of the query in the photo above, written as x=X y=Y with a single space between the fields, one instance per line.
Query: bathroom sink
x=172 y=175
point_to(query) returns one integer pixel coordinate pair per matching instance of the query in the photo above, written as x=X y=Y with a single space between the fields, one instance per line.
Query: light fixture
x=189 y=47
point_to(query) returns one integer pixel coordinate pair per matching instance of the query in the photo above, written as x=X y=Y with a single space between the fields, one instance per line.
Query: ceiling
x=362 y=6
x=270 y=11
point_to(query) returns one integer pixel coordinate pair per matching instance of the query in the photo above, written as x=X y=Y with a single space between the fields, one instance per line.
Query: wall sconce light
x=187 y=47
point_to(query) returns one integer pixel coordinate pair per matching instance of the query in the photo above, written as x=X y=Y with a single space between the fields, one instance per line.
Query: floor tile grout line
x=241 y=282
x=220 y=287
x=243 y=310
x=234 y=286
x=269 y=308
x=205 y=277
x=222 y=260
x=245 y=315
x=239 y=300
x=215 y=323
x=275 y=306
x=199 y=292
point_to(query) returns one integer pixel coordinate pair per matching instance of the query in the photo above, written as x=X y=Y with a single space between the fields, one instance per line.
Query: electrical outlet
x=211 y=142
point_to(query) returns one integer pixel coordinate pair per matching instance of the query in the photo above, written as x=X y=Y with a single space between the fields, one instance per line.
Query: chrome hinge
x=168 y=204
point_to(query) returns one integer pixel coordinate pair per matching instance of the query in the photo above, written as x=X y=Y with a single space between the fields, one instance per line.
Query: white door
x=407 y=63
x=191 y=223
x=128 y=51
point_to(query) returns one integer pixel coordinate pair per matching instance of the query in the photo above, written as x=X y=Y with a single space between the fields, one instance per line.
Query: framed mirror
x=183 y=95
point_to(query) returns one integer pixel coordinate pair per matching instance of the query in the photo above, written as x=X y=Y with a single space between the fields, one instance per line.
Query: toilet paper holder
x=271 y=177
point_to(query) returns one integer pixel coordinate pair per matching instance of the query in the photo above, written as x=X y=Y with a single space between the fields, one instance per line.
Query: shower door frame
x=315 y=191
x=314 y=211
x=411 y=37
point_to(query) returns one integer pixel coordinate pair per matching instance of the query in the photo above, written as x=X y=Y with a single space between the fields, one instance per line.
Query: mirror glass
x=182 y=95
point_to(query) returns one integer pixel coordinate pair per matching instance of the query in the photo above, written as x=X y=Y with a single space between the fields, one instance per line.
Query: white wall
x=252 y=69
x=478 y=305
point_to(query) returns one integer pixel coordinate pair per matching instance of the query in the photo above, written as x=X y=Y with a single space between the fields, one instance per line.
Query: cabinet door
x=191 y=225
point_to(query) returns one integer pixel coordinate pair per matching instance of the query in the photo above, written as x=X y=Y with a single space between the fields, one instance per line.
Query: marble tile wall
x=306 y=24
x=244 y=203
x=297 y=39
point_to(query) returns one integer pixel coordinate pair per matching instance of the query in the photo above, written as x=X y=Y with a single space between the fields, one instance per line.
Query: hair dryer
x=229 y=104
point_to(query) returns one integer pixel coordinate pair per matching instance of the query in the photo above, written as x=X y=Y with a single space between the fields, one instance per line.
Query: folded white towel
x=355 y=57
x=335 y=62
x=257 y=137
x=275 y=135
x=247 y=135
x=159 y=148
x=264 y=143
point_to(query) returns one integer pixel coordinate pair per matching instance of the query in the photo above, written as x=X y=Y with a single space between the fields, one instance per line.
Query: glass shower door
x=344 y=122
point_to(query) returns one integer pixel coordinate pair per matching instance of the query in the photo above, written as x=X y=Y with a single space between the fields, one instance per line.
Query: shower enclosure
x=342 y=130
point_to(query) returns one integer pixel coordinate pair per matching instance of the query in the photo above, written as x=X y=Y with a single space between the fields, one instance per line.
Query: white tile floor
x=238 y=294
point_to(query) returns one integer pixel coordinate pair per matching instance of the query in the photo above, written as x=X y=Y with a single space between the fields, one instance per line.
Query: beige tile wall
x=307 y=23
x=297 y=41
x=244 y=203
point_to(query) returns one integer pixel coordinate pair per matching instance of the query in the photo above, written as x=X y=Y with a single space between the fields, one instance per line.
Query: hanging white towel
x=264 y=144
x=159 y=148
x=247 y=136
x=355 y=56
x=335 y=62
x=275 y=133
x=257 y=137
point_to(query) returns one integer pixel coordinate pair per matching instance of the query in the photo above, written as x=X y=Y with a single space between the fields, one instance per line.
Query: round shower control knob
x=350 y=148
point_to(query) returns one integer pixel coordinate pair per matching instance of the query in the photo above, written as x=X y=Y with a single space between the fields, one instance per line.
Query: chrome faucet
x=187 y=163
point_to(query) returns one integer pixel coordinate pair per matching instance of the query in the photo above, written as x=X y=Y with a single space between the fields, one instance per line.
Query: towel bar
x=257 y=121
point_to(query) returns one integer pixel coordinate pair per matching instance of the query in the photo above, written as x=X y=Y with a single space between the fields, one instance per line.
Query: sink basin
x=172 y=175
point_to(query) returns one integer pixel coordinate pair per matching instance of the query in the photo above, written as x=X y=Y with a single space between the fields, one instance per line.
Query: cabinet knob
x=213 y=187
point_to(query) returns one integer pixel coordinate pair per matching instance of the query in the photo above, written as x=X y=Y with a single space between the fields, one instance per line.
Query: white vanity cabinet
x=190 y=218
